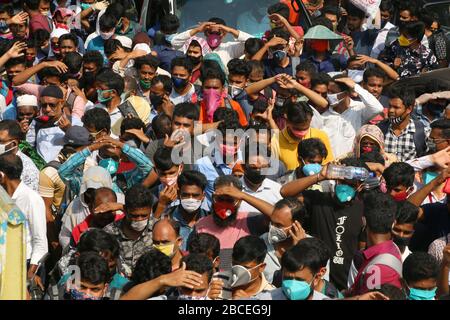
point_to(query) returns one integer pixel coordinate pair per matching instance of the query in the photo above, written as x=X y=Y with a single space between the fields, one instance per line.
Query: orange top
x=234 y=104
x=294 y=17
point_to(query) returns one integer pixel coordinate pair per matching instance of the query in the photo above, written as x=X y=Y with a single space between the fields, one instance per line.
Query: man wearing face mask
x=336 y=218
x=183 y=90
x=195 y=49
x=166 y=238
x=108 y=25
x=403 y=229
x=215 y=31
x=39 y=12
x=134 y=232
x=345 y=115
x=430 y=106
x=420 y=274
x=227 y=222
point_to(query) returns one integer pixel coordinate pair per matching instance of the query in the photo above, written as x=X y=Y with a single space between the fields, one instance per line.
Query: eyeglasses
x=52 y=106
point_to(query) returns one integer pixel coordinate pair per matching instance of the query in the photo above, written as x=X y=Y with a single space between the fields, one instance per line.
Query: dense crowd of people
x=276 y=162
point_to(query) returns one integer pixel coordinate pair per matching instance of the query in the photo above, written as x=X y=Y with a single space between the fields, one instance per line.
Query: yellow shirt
x=285 y=147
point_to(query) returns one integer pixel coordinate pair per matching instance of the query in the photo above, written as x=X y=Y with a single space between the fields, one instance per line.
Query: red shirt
x=39 y=21
x=386 y=273
x=86 y=224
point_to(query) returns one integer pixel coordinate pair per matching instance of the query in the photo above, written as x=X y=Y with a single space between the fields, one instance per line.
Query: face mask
x=311 y=169
x=356 y=75
x=156 y=100
x=195 y=60
x=228 y=150
x=46 y=50
x=401 y=196
x=396 y=121
x=404 y=42
x=296 y=290
x=139 y=225
x=276 y=235
x=300 y=134
x=401 y=242
x=431 y=146
x=167 y=249
x=85 y=6
x=333 y=98
x=279 y=102
x=429 y=176
x=4 y=150
x=110 y=165
x=169 y=181
x=254 y=175
x=212 y=98
x=241 y=276
x=78 y=295
x=419 y=294
x=234 y=91
x=319 y=45
x=100 y=96
x=144 y=84
x=179 y=83
x=345 y=193
x=46 y=13
x=106 y=35
x=279 y=55
x=367 y=149
x=213 y=40
x=186 y=297
x=191 y=205
x=383 y=23
x=4 y=27
x=224 y=209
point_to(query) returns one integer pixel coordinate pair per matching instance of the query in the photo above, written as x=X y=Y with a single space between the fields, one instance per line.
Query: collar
x=262 y=187
x=176 y=215
x=19 y=190
x=384 y=247
x=410 y=128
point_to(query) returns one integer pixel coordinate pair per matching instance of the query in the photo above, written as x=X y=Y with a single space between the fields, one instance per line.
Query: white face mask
x=3 y=148
x=234 y=91
x=139 y=225
x=191 y=205
x=241 y=275
x=333 y=98
x=106 y=35
x=356 y=75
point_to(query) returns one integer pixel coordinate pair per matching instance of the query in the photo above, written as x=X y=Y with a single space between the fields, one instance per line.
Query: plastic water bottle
x=349 y=173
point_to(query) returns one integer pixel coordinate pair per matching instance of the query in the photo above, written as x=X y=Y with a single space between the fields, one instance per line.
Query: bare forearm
x=391 y=73
x=260 y=54
x=260 y=85
x=86 y=13
x=294 y=188
x=144 y=290
x=419 y=196
x=313 y=96
x=443 y=288
x=23 y=77
x=160 y=208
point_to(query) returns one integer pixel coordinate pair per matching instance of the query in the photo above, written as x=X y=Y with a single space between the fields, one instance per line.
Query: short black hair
x=249 y=249
x=226 y=181
x=186 y=110
x=379 y=210
x=386 y=5
x=414 y=29
x=256 y=66
x=163 y=159
x=148 y=60
x=281 y=8
x=15 y=61
x=253 y=45
x=93 y=268
x=353 y=11
x=199 y=263
x=151 y=265
x=322 y=21
x=407 y=213
x=374 y=157
x=420 y=266
x=12 y=127
x=50 y=72
x=309 y=148
x=229 y=118
x=399 y=174
x=239 y=67
x=40 y=36
x=298 y=210
x=159 y=124
x=330 y=9
x=165 y=80
x=405 y=94
x=298 y=112
x=73 y=61
x=182 y=62
x=410 y=6
x=107 y=22
x=112 y=80
x=342 y=86
x=428 y=17
x=280 y=33
x=204 y=243
x=98 y=118
x=311 y=253
x=94 y=57
x=213 y=73
x=354 y=162
x=7 y=8
x=11 y=165
x=170 y=24
x=69 y=36
x=138 y=197
x=116 y=9
x=306 y=66
x=192 y=178
x=33 y=4
x=373 y=72
x=131 y=123
x=392 y=292
x=320 y=78
x=444 y=125
x=111 y=45
x=99 y=240
x=217 y=20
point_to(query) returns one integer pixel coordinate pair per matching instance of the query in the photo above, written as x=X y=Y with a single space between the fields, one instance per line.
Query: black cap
x=52 y=91
x=77 y=136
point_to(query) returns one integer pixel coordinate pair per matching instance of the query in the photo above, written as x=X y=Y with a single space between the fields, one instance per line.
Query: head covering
x=125 y=41
x=65 y=12
x=321 y=33
x=141 y=37
x=215 y=57
x=95 y=177
x=77 y=136
x=142 y=46
x=26 y=100
x=142 y=108
x=205 y=47
x=371 y=131
x=52 y=91
x=58 y=32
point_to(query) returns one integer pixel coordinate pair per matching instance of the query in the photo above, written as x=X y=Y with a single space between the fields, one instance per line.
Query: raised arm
x=23 y=77
x=294 y=188
x=442 y=283
x=14 y=52
x=391 y=73
x=275 y=41
x=260 y=85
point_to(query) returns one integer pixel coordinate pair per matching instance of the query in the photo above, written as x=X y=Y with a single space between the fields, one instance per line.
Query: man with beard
x=196 y=49
x=227 y=222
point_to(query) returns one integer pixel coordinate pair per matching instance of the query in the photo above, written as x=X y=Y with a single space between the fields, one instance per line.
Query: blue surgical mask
x=4 y=26
x=85 y=6
x=169 y=37
x=279 y=55
x=110 y=165
x=296 y=289
x=78 y=295
x=100 y=96
x=345 y=193
x=429 y=176
x=311 y=169
x=419 y=294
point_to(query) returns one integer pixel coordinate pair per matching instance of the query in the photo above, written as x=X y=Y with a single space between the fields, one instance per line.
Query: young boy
x=399 y=179
x=420 y=272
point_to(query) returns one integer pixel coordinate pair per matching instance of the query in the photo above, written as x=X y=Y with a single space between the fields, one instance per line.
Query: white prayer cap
x=125 y=41
x=142 y=46
x=26 y=100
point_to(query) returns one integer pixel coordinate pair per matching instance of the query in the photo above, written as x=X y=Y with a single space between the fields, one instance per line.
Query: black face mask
x=195 y=60
x=401 y=242
x=254 y=175
x=383 y=23
x=156 y=100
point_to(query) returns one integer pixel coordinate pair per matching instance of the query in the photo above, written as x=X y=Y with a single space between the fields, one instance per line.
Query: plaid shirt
x=403 y=145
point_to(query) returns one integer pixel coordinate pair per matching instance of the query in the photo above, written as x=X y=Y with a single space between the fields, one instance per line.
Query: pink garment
x=201 y=41
x=36 y=89
x=227 y=236
x=213 y=99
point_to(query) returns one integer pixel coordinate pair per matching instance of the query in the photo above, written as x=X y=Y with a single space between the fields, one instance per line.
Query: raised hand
x=297 y=232
x=17 y=50
x=231 y=191
x=276 y=41
x=215 y=289
x=61 y=67
x=168 y=195
x=347 y=81
x=19 y=18
x=182 y=278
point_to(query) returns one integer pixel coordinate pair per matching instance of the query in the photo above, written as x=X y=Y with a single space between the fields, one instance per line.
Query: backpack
x=419 y=136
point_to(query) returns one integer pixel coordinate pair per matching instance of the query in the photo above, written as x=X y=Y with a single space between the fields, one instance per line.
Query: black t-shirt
x=339 y=226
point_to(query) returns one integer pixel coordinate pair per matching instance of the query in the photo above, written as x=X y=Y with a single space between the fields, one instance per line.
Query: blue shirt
x=185 y=229
x=364 y=41
x=166 y=55
x=98 y=44
x=327 y=65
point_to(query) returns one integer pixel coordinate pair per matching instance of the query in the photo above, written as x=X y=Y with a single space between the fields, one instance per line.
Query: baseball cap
x=77 y=136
